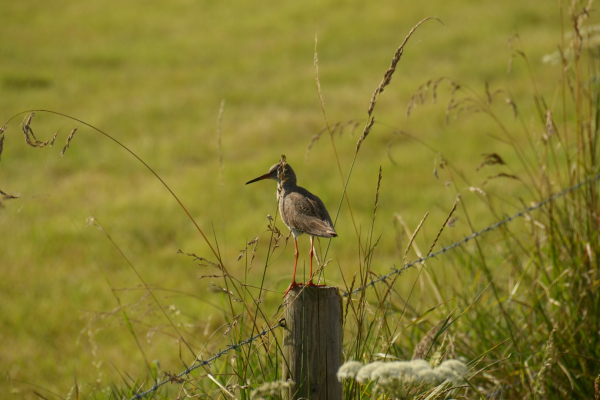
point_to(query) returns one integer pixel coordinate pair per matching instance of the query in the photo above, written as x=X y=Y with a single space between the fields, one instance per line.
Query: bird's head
x=280 y=172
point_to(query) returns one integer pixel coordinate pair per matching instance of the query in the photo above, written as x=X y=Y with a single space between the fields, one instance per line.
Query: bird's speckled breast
x=281 y=195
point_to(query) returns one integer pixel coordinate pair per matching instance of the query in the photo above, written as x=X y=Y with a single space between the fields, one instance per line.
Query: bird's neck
x=288 y=183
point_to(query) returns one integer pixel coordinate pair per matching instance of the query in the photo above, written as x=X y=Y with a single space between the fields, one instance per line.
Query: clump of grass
x=543 y=282
x=534 y=316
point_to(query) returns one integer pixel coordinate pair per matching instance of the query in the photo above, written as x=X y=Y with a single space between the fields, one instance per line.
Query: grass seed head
x=68 y=141
x=365 y=133
x=422 y=348
x=54 y=138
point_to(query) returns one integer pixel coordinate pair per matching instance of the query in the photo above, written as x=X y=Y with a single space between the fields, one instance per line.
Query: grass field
x=154 y=77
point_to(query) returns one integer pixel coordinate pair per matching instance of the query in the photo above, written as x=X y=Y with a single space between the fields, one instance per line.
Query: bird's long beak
x=260 y=178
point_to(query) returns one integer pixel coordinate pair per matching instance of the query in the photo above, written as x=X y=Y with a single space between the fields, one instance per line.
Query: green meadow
x=96 y=297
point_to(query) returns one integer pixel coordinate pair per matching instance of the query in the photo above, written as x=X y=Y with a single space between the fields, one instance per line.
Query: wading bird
x=300 y=210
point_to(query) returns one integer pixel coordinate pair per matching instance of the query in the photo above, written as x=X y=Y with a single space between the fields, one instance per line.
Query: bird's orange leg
x=294 y=284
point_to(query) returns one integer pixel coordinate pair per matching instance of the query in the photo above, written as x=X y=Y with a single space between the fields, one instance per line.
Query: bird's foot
x=294 y=284
x=310 y=283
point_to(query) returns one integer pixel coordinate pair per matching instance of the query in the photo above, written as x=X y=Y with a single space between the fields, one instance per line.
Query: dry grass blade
x=349 y=299
x=500 y=175
x=320 y=268
x=550 y=130
x=219 y=149
x=414 y=235
x=223 y=389
x=388 y=150
x=446 y=222
x=377 y=194
x=1 y=144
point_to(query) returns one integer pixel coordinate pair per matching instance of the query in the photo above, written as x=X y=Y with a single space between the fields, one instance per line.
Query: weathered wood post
x=312 y=342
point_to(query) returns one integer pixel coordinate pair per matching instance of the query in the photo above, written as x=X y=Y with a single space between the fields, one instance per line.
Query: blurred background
x=155 y=75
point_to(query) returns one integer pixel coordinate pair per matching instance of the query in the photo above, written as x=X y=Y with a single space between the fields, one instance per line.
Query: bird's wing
x=307 y=213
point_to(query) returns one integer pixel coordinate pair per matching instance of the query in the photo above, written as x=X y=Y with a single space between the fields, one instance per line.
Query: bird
x=300 y=210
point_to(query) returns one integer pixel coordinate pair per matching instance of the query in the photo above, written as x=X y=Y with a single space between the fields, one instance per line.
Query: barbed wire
x=208 y=361
x=380 y=279
x=476 y=234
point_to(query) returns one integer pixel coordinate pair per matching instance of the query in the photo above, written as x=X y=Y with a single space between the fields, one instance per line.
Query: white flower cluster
x=401 y=376
x=271 y=389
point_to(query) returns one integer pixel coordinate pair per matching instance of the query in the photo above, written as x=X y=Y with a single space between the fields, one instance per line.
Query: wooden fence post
x=312 y=342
